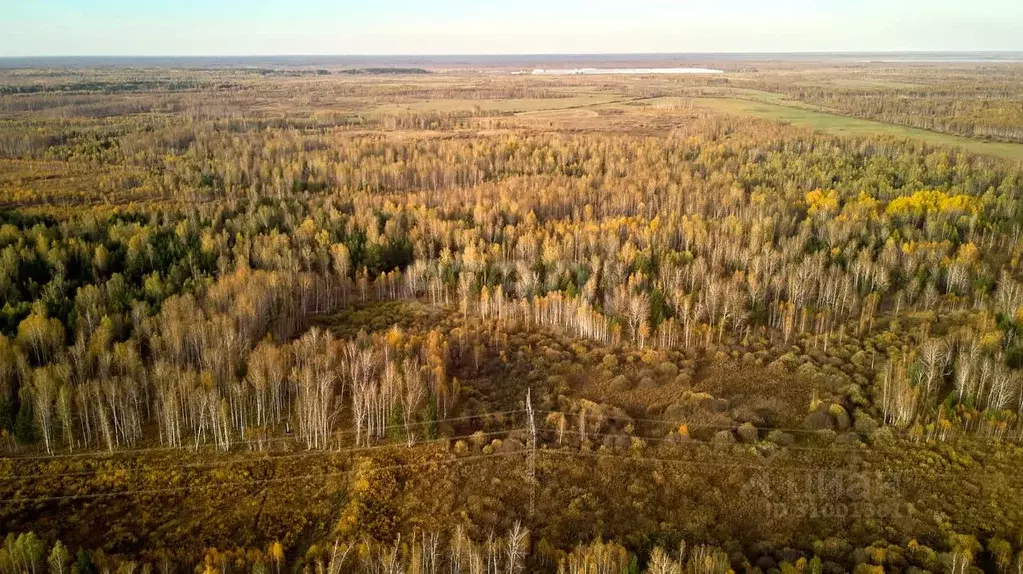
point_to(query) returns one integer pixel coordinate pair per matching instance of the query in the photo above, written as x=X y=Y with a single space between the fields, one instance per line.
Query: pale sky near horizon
x=383 y=27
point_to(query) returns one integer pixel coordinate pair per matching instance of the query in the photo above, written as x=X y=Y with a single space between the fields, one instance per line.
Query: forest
x=408 y=320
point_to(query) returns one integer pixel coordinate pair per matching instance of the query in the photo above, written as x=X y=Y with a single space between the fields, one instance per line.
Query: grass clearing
x=517 y=105
x=843 y=125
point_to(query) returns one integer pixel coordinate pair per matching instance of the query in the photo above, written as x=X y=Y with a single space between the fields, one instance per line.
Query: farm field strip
x=844 y=125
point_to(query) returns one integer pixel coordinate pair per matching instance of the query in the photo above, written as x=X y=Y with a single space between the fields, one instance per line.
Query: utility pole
x=532 y=452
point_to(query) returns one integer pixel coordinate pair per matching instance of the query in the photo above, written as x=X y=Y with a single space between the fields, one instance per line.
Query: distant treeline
x=348 y=71
x=384 y=71
x=104 y=87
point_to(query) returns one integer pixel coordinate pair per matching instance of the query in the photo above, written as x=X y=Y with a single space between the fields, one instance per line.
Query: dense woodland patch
x=260 y=322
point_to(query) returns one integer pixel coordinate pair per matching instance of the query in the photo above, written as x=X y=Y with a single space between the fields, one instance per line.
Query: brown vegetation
x=257 y=323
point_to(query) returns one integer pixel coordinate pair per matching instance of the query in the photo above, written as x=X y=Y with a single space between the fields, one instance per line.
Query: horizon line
x=492 y=54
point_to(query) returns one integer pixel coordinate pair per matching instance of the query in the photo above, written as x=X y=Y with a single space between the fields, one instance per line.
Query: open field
x=509 y=106
x=844 y=125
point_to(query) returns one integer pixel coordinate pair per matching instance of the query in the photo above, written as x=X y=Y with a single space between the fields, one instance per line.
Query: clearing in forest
x=844 y=125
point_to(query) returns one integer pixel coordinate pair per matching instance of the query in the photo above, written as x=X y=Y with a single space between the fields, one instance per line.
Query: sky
x=385 y=27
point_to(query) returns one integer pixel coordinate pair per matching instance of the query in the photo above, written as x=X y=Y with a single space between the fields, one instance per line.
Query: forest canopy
x=389 y=320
